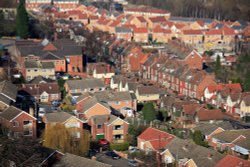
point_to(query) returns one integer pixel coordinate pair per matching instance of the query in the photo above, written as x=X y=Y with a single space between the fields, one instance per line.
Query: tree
x=72 y=140
x=133 y=132
x=197 y=137
x=22 y=20
x=149 y=112
x=246 y=83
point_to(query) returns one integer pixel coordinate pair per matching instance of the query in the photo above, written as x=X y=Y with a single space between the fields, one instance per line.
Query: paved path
x=114 y=162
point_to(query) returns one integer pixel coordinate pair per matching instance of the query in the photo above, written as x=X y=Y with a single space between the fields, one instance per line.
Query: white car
x=41 y=112
x=128 y=112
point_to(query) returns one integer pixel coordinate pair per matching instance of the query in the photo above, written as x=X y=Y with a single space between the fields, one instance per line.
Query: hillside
x=217 y=9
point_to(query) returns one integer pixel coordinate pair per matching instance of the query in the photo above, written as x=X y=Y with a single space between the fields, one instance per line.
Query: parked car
x=41 y=112
x=56 y=102
x=132 y=162
x=103 y=142
x=132 y=149
x=54 y=108
x=113 y=155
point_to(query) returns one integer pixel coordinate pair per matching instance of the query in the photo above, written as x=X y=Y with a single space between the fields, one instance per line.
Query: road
x=122 y=162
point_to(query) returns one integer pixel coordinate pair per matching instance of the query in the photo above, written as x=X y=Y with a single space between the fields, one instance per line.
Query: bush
x=119 y=146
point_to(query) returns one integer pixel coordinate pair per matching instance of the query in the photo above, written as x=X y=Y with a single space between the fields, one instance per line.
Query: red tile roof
x=206 y=115
x=157 y=138
x=214 y=32
x=192 y=32
x=228 y=31
x=231 y=161
x=235 y=87
x=140 y=30
x=158 y=19
x=141 y=19
x=161 y=30
x=200 y=22
x=190 y=109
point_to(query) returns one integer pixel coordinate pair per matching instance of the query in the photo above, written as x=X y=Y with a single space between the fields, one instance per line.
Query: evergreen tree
x=246 y=83
x=217 y=67
x=22 y=20
x=149 y=112
x=197 y=137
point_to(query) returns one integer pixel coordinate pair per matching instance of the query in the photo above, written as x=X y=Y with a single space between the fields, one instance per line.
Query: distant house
x=17 y=123
x=42 y=92
x=110 y=127
x=34 y=69
x=80 y=100
x=147 y=93
x=140 y=35
x=123 y=33
x=78 y=87
x=100 y=71
x=153 y=139
x=8 y=93
x=245 y=106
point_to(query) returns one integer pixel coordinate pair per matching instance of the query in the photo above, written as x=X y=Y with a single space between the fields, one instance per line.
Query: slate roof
x=230 y=135
x=208 y=128
x=5 y=100
x=92 y=102
x=85 y=83
x=39 y=79
x=145 y=90
x=47 y=65
x=10 y=113
x=122 y=30
x=38 y=89
x=186 y=149
x=112 y=96
x=8 y=89
x=59 y=117
x=83 y=96
x=70 y=160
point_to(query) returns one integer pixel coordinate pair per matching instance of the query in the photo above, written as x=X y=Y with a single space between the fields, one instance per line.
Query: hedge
x=119 y=146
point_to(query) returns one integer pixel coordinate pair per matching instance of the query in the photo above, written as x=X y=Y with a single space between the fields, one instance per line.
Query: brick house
x=81 y=100
x=161 y=35
x=93 y=107
x=110 y=127
x=245 y=106
x=192 y=36
x=123 y=33
x=232 y=161
x=78 y=87
x=135 y=59
x=18 y=123
x=138 y=21
x=147 y=93
x=65 y=54
x=153 y=139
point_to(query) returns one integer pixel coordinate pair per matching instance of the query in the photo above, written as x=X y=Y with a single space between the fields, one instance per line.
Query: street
x=122 y=162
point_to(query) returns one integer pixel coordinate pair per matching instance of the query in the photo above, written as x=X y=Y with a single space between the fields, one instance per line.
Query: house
x=245 y=106
x=153 y=139
x=206 y=115
x=209 y=129
x=140 y=35
x=192 y=36
x=34 y=69
x=117 y=100
x=147 y=93
x=68 y=120
x=234 y=141
x=100 y=71
x=186 y=153
x=135 y=59
x=146 y=11
x=8 y=93
x=63 y=53
x=110 y=127
x=41 y=92
x=211 y=91
x=138 y=21
x=69 y=160
x=80 y=100
x=161 y=35
x=156 y=21
x=77 y=87
x=17 y=123
x=93 y=107
x=123 y=33
x=232 y=161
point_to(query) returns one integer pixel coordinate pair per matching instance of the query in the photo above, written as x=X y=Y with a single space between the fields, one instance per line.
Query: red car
x=103 y=142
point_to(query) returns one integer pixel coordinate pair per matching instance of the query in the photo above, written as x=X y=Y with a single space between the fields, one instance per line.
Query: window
x=35 y=70
x=91 y=89
x=100 y=89
x=117 y=127
x=28 y=70
x=117 y=137
x=27 y=132
x=117 y=102
x=15 y=124
x=99 y=126
x=27 y=122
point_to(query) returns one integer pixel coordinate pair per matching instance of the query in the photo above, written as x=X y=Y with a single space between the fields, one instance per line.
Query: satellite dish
x=45 y=42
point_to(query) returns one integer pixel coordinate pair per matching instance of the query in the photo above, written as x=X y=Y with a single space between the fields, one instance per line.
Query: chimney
x=230 y=82
x=107 y=118
x=31 y=111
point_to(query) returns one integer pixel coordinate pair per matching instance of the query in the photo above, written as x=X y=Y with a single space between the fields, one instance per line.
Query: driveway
x=122 y=162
